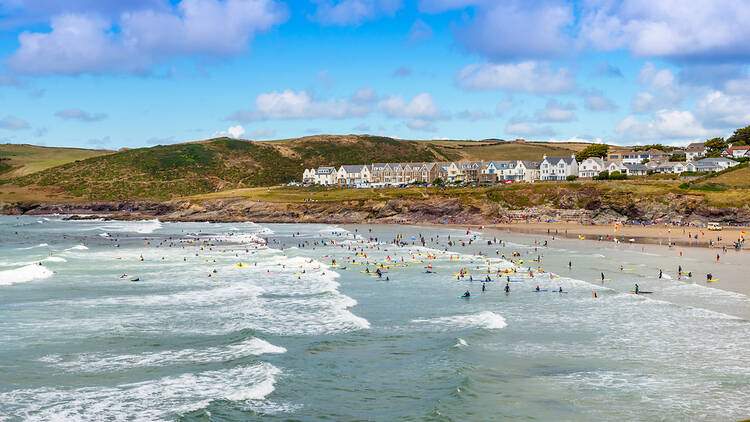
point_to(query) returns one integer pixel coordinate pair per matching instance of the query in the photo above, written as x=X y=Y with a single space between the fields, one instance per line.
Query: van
x=713 y=226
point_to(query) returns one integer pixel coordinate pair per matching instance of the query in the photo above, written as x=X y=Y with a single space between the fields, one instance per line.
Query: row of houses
x=550 y=168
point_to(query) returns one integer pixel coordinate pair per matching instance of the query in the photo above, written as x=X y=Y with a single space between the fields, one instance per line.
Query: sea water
x=279 y=333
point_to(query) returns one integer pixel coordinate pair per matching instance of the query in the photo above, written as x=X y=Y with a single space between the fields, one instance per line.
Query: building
x=325 y=176
x=353 y=176
x=591 y=167
x=738 y=152
x=636 y=169
x=530 y=170
x=558 y=168
x=692 y=154
x=308 y=177
x=719 y=163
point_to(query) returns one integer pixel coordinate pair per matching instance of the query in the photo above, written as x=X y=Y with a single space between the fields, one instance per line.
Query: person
x=660 y=273
x=123 y=276
x=467 y=294
x=537 y=288
x=679 y=269
x=570 y=265
x=484 y=286
x=507 y=287
x=636 y=288
x=387 y=278
x=561 y=290
x=602 y=277
x=709 y=277
x=593 y=294
x=717 y=257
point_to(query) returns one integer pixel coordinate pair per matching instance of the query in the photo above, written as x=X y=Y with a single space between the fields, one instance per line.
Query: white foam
x=153 y=400
x=41 y=245
x=101 y=362
x=138 y=226
x=485 y=319
x=55 y=259
x=78 y=248
x=24 y=274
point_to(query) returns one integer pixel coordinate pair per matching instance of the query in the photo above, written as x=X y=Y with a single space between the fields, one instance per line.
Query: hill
x=168 y=171
x=21 y=159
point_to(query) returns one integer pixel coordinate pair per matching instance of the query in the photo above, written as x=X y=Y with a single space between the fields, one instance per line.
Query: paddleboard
x=539 y=291
x=713 y=279
x=641 y=292
x=465 y=297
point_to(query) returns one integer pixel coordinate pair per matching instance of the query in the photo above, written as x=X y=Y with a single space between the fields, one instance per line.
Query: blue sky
x=111 y=73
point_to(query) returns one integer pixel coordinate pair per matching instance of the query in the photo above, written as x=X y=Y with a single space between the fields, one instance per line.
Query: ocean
x=245 y=321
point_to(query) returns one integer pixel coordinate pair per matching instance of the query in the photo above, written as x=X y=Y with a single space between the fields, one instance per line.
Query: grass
x=20 y=159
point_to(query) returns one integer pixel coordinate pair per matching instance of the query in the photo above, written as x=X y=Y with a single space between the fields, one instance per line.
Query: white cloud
x=528 y=130
x=678 y=29
x=420 y=31
x=473 y=115
x=87 y=43
x=554 y=111
x=718 y=109
x=421 y=107
x=13 y=123
x=665 y=124
x=529 y=76
x=667 y=93
x=353 y=12
x=364 y=96
x=300 y=105
x=78 y=114
x=231 y=132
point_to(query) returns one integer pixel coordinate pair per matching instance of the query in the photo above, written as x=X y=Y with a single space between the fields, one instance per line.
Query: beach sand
x=653 y=234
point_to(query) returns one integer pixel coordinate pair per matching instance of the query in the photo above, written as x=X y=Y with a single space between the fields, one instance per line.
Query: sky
x=113 y=73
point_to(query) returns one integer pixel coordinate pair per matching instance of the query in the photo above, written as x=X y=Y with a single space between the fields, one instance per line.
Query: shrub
x=571 y=177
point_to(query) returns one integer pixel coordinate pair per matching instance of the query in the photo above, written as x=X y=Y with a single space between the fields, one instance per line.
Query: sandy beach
x=653 y=234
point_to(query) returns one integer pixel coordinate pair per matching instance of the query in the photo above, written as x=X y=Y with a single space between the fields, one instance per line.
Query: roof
x=325 y=170
x=700 y=145
x=636 y=167
x=714 y=160
x=556 y=160
x=531 y=164
x=353 y=169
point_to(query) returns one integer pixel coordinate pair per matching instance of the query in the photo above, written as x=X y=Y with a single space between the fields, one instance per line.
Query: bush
x=616 y=175
x=438 y=181
x=571 y=177
x=677 y=158
x=604 y=175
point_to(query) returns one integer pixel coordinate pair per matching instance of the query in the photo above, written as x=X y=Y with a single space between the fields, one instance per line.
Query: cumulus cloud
x=555 y=111
x=667 y=93
x=78 y=114
x=89 y=43
x=665 y=124
x=353 y=12
x=421 y=107
x=13 y=123
x=529 y=76
x=528 y=130
x=718 y=109
x=291 y=104
x=675 y=29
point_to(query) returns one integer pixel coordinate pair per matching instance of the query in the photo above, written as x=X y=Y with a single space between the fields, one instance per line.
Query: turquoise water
x=288 y=337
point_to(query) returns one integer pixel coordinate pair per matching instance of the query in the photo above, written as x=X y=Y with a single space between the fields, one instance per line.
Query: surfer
x=561 y=290
x=637 y=289
x=507 y=287
x=661 y=273
x=537 y=289
x=484 y=287
x=467 y=294
x=602 y=277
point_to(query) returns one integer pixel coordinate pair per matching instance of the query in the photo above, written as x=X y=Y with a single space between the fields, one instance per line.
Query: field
x=20 y=160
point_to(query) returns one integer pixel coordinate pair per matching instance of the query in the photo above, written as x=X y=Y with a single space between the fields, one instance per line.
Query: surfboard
x=539 y=291
x=712 y=280
x=466 y=297
x=641 y=292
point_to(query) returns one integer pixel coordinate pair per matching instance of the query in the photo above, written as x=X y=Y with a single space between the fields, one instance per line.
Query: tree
x=660 y=147
x=603 y=175
x=437 y=181
x=715 y=146
x=740 y=137
x=593 y=150
x=677 y=157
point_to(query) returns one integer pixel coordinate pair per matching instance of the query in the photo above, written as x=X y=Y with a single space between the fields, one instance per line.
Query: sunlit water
x=287 y=336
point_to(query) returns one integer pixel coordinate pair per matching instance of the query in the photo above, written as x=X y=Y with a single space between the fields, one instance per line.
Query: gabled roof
x=531 y=164
x=556 y=160
x=632 y=167
x=353 y=169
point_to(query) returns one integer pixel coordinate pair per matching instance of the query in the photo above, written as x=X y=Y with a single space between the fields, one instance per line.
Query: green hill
x=169 y=171
x=21 y=159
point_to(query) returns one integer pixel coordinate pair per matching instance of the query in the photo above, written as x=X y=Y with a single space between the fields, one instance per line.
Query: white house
x=692 y=154
x=720 y=163
x=353 y=176
x=529 y=169
x=558 y=168
x=671 y=167
x=591 y=167
x=325 y=176
x=308 y=176
x=739 y=152
x=636 y=169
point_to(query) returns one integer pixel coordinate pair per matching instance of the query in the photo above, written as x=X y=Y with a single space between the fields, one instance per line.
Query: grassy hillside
x=20 y=160
x=169 y=171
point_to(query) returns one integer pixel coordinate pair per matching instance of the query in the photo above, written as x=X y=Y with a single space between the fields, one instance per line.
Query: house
x=452 y=173
x=635 y=157
x=470 y=171
x=489 y=173
x=558 y=168
x=671 y=168
x=636 y=169
x=353 y=176
x=692 y=154
x=614 y=156
x=429 y=172
x=376 y=173
x=325 y=176
x=308 y=177
x=530 y=170
x=506 y=170
x=702 y=166
x=720 y=163
x=616 y=166
x=738 y=152
x=656 y=155
x=591 y=167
